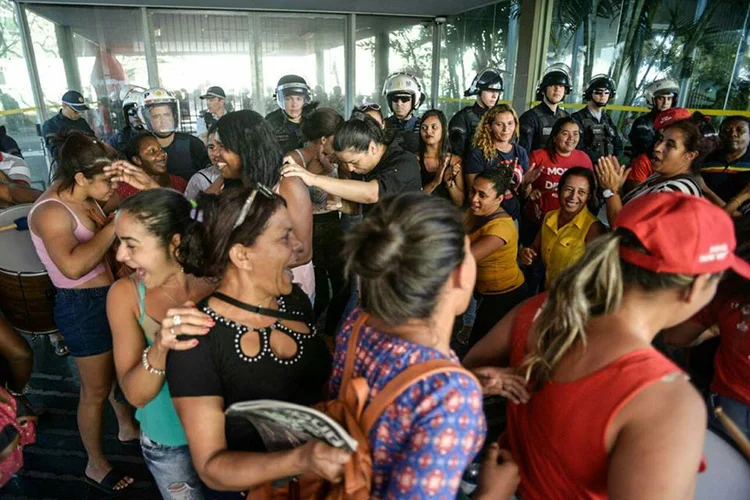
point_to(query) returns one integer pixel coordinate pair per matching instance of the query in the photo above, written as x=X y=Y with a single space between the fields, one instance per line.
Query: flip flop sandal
x=109 y=482
x=61 y=349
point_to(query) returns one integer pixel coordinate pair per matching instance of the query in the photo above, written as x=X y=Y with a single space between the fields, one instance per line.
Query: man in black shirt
x=293 y=97
x=160 y=113
x=536 y=123
x=600 y=135
x=487 y=86
x=69 y=117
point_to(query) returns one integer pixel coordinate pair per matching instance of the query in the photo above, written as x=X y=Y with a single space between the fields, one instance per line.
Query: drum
x=727 y=474
x=27 y=296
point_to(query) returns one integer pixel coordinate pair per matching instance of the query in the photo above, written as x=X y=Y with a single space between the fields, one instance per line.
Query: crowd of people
x=305 y=257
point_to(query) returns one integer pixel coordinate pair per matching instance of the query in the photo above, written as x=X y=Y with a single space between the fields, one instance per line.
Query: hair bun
x=378 y=249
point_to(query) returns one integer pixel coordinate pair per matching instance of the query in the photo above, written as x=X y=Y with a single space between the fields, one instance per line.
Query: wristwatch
x=608 y=193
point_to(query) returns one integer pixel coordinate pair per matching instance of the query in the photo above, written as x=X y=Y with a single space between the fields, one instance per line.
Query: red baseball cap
x=683 y=234
x=670 y=116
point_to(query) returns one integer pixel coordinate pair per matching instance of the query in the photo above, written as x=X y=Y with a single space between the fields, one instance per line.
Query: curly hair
x=483 y=138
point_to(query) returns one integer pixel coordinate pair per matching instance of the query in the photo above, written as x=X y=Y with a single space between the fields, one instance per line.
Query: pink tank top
x=82 y=234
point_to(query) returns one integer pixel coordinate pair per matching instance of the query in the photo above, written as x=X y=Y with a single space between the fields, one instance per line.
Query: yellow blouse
x=562 y=247
x=499 y=271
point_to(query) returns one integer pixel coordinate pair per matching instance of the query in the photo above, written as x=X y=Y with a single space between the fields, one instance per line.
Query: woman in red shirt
x=559 y=155
x=610 y=415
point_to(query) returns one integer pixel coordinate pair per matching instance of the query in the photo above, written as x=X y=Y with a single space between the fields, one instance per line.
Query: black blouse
x=218 y=367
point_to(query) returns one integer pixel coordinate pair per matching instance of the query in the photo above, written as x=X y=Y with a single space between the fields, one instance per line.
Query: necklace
x=175 y=301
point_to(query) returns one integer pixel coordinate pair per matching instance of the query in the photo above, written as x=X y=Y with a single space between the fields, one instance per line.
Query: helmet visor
x=161 y=118
x=292 y=97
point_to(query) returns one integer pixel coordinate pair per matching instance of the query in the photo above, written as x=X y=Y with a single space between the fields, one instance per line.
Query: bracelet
x=147 y=365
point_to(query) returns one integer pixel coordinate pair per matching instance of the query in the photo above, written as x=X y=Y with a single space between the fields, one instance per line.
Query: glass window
x=387 y=45
x=471 y=42
x=18 y=115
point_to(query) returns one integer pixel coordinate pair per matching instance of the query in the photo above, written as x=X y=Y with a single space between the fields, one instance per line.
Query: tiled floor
x=54 y=465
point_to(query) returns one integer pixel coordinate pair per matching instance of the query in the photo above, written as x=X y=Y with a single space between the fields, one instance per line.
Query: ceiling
x=190 y=31
x=431 y=8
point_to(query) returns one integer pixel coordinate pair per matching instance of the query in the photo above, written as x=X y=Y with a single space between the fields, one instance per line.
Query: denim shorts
x=172 y=469
x=81 y=317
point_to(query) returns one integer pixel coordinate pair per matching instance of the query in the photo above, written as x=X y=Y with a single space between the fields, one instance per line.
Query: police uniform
x=206 y=120
x=642 y=134
x=288 y=134
x=599 y=137
x=536 y=126
x=406 y=132
x=57 y=125
x=120 y=140
x=186 y=155
x=462 y=127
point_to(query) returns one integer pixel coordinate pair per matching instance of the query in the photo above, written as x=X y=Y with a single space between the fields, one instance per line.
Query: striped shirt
x=15 y=168
x=684 y=183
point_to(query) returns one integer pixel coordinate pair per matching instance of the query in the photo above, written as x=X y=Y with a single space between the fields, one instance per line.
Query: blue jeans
x=172 y=469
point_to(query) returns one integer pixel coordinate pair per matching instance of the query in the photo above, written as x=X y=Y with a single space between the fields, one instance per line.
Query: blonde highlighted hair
x=483 y=138
x=594 y=286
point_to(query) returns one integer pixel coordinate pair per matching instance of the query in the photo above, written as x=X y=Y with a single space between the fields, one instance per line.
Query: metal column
x=350 y=56
x=148 y=43
x=28 y=52
x=64 y=35
x=535 y=23
x=256 y=58
x=437 y=36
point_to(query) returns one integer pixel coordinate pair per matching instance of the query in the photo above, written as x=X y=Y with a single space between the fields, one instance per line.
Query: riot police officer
x=130 y=96
x=600 y=135
x=487 y=86
x=404 y=95
x=293 y=98
x=536 y=123
x=660 y=95
x=159 y=111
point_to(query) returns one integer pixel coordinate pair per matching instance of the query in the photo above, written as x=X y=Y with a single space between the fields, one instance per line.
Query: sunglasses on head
x=369 y=107
x=401 y=98
x=249 y=203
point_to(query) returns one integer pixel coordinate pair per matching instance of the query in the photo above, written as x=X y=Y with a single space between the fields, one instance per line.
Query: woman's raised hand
x=611 y=174
x=123 y=171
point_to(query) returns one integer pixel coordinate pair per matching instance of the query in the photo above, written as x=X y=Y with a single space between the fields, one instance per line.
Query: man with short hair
x=69 y=117
x=216 y=108
x=727 y=170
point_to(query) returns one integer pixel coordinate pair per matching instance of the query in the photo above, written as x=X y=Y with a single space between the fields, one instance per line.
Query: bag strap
x=402 y=382
x=351 y=352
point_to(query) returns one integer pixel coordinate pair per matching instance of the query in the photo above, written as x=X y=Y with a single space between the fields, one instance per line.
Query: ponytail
x=593 y=286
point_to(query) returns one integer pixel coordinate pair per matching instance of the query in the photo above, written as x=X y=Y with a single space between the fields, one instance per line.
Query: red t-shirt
x=732 y=361
x=549 y=178
x=640 y=168
x=125 y=191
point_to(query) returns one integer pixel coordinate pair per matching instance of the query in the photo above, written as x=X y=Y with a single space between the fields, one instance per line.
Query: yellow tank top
x=499 y=271
x=562 y=247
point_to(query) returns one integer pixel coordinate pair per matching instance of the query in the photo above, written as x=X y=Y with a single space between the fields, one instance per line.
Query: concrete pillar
x=64 y=35
x=256 y=63
x=350 y=60
x=148 y=42
x=382 y=53
x=534 y=27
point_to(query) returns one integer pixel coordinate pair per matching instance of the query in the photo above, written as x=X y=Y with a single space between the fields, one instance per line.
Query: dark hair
x=362 y=110
x=213 y=128
x=500 y=178
x=403 y=252
x=698 y=135
x=163 y=212
x=592 y=203
x=444 y=142
x=357 y=134
x=78 y=152
x=247 y=134
x=556 y=129
x=322 y=122
x=133 y=148
x=204 y=249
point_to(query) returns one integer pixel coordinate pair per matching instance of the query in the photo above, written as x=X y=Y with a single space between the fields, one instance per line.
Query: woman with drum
x=72 y=237
x=610 y=415
x=150 y=226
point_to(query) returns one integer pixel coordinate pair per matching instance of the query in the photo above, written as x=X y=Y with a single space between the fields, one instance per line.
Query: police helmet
x=487 y=79
x=403 y=83
x=600 y=81
x=556 y=74
x=158 y=97
x=290 y=85
x=664 y=86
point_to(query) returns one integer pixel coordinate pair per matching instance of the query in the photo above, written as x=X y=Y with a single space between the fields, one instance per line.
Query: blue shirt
x=57 y=125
